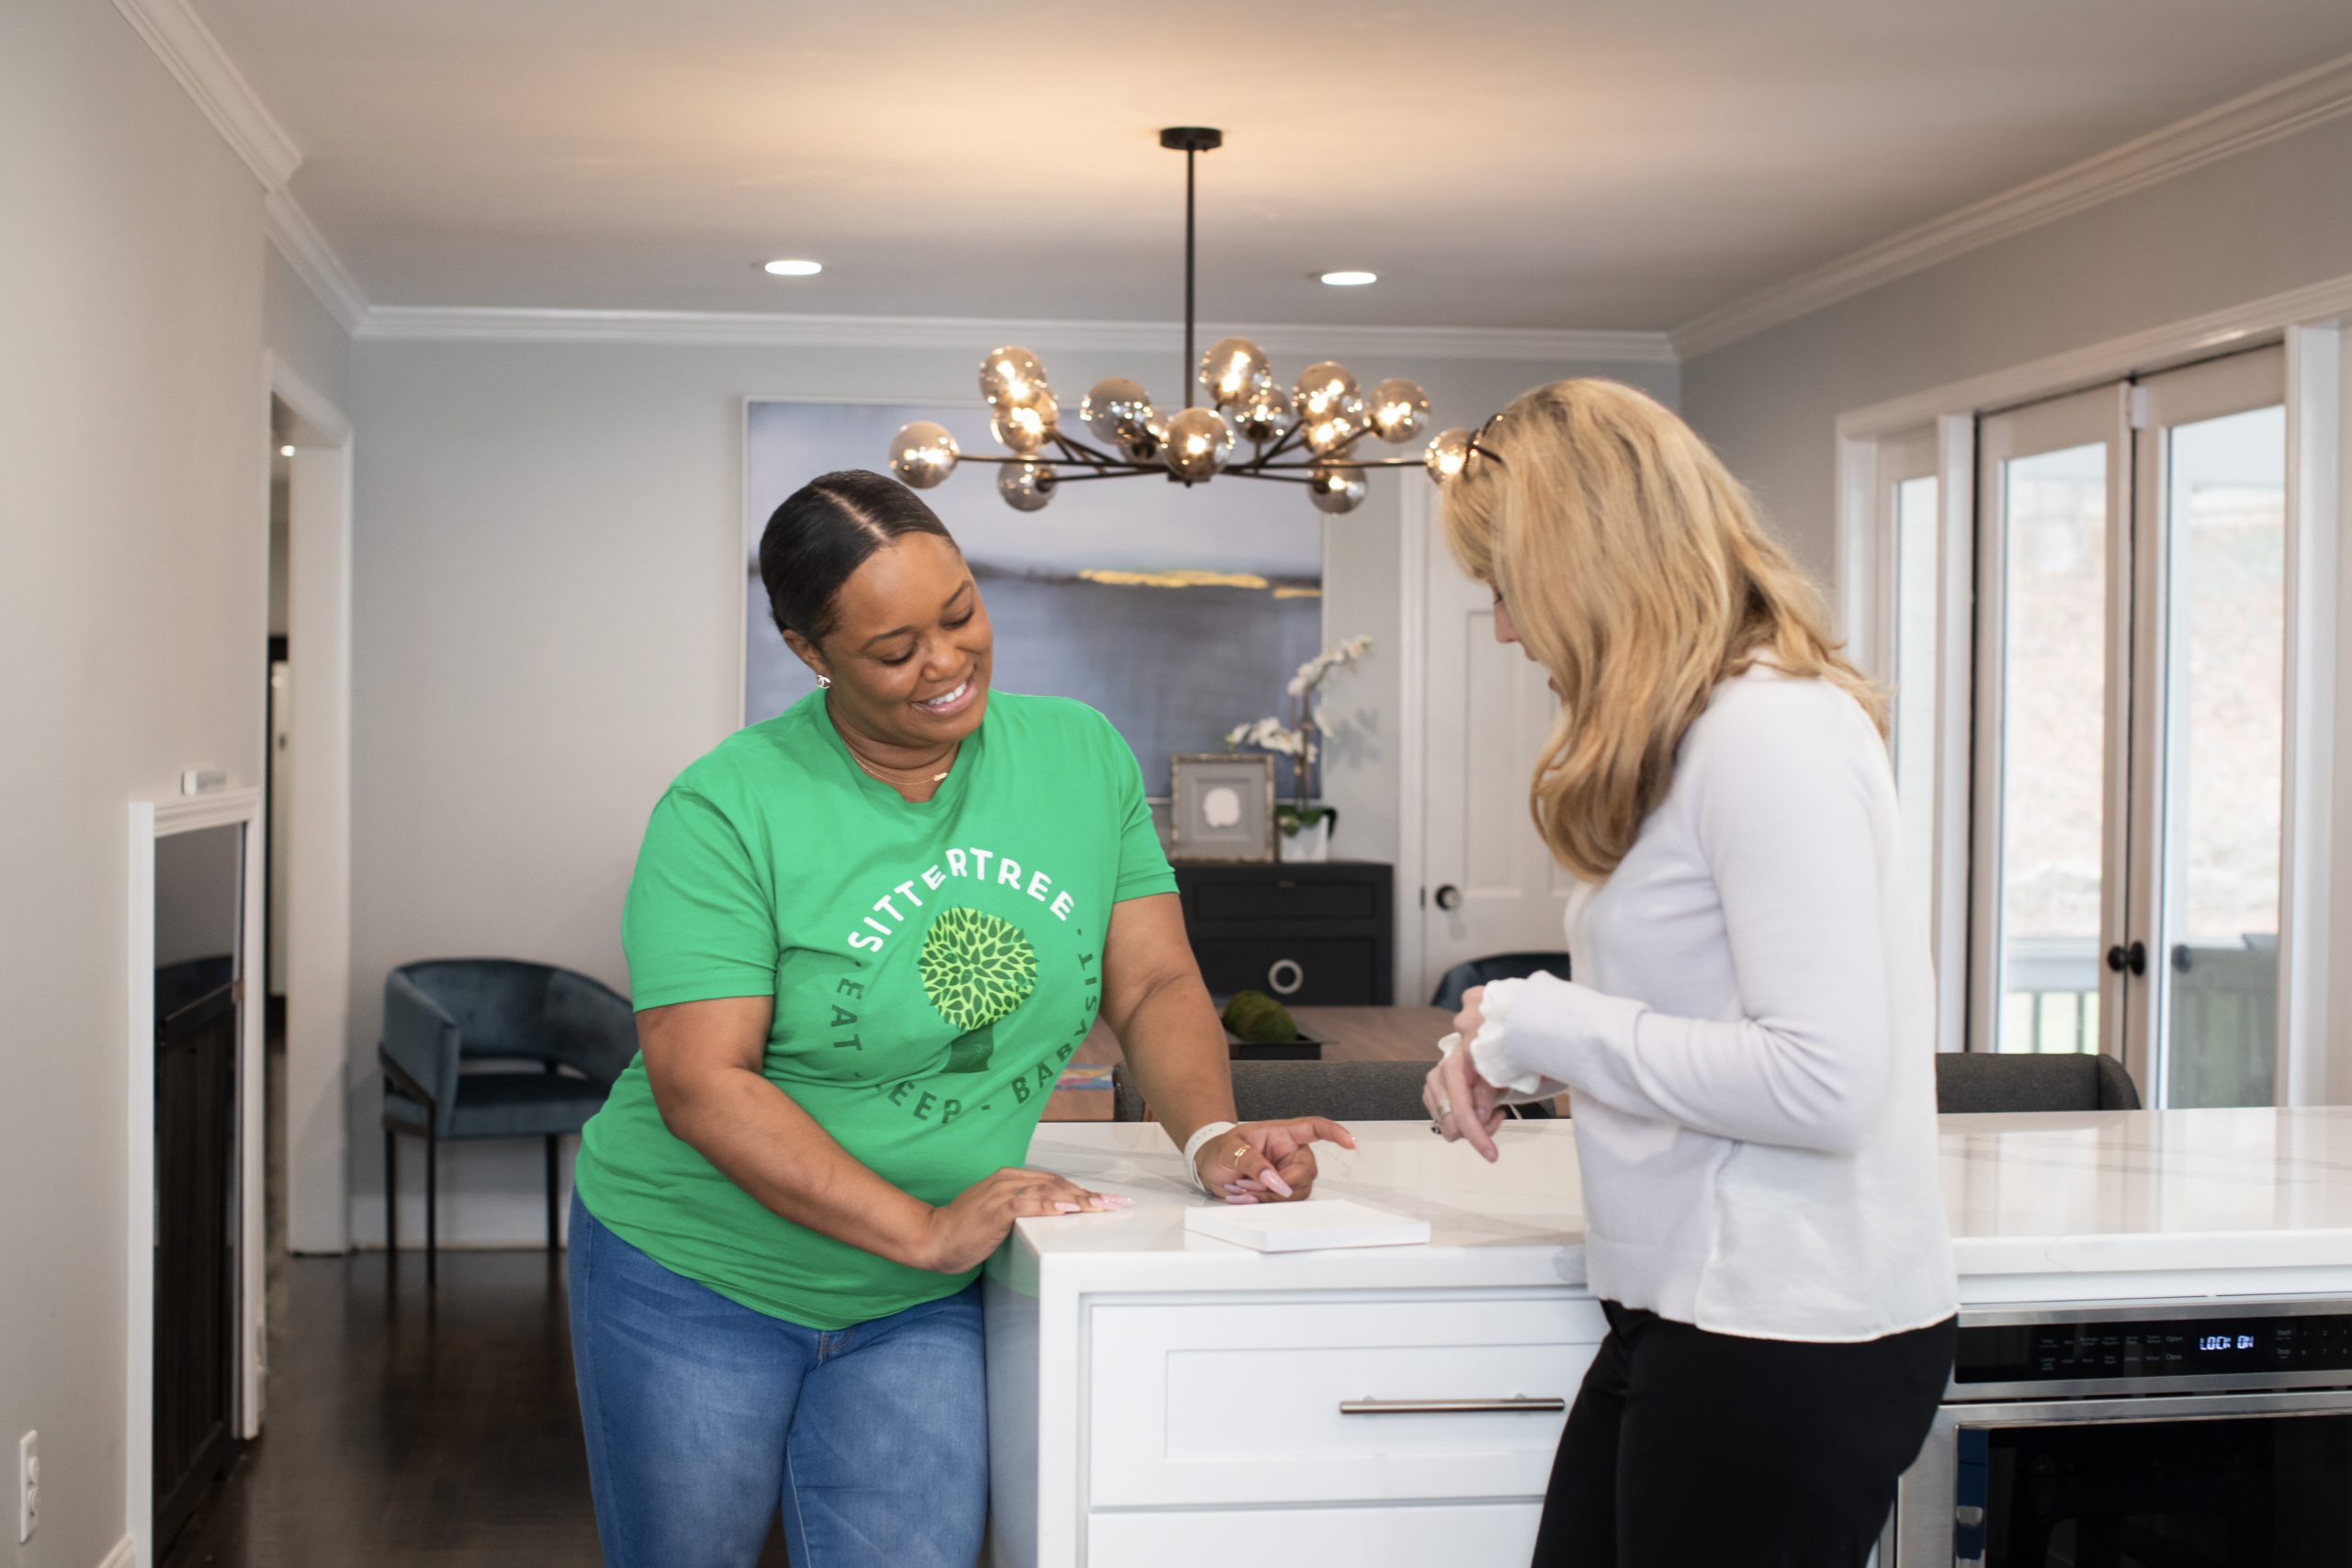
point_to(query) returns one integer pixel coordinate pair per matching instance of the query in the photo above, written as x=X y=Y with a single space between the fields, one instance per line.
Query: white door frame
x=1416 y=516
x=2311 y=321
x=148 y=821
x=317 y=788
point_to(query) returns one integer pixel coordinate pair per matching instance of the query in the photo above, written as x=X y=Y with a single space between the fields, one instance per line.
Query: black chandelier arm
x=1121 y=473
x=1079 y=452
x=1350 y=463
x=1270 y=479
x=1289 y=441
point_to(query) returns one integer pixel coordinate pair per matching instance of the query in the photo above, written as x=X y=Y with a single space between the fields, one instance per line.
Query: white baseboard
x=124 y=1555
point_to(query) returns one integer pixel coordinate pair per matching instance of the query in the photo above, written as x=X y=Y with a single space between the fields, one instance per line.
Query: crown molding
x=195 y=58
x=2264 y=115
x=478 y=324
x=307 y=252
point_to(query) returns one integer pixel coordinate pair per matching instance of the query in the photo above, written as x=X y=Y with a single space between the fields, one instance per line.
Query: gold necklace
x=886 y=778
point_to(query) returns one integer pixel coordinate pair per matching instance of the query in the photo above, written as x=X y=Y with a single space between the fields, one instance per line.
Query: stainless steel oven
x=2163 y=1437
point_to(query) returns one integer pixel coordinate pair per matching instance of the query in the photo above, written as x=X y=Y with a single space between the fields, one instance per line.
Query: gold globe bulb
x=1334 y=490
x=1011 y=376
x=1027 y=427
x=1026 y=487
x=1267 y=417
x=1400 y=410
x=1338 y=425
x=1234 y=370
x=1199 y=443
x=922 y=454
x=1321 y=388
x=1447 y=452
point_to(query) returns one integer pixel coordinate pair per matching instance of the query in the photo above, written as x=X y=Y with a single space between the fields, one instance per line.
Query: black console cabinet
x=1312 y=934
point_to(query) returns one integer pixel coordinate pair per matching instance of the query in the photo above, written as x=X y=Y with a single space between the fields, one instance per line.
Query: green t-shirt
x=934 y=965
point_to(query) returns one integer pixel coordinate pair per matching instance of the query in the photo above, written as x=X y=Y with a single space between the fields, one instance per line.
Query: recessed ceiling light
x=286 y=451
x=793 y=268
x=1349 y=279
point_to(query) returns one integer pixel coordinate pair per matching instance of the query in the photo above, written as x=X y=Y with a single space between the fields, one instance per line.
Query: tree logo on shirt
x=976 y=969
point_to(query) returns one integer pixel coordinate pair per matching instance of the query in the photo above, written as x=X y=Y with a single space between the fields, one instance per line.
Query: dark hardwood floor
x=403 y=1431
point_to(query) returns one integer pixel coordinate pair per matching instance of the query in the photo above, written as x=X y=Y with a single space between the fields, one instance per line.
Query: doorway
x=305 y=682
x=2131 y=724
x=1475 y=879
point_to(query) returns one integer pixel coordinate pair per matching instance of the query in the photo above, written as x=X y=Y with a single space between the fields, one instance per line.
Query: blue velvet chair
x=444 y=1014
x=1486 y=971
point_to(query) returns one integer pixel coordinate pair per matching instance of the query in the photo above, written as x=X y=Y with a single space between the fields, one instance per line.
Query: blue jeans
x=704 y=1417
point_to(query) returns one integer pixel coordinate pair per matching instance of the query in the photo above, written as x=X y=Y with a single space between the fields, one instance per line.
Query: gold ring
x=1234 y=1159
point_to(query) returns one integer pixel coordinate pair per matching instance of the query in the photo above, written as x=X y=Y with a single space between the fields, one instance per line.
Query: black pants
x=1688 y=1449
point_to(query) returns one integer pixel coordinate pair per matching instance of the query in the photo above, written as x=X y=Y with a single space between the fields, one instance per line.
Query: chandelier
x=1306 y=434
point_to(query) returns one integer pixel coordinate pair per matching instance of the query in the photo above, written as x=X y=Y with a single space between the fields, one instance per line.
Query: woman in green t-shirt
x=862 y=939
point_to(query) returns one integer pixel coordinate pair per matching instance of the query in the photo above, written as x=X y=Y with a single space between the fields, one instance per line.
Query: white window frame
x=2311 y=322
x=1870 y=466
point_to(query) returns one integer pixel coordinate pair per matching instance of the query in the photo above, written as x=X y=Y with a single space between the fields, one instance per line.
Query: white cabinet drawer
x=1294 y=1401
x=1468 y=1533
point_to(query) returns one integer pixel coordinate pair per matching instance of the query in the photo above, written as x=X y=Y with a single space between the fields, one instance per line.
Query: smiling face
x=909 y=649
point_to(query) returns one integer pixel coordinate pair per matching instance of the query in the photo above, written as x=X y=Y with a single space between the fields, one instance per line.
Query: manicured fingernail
x=1274 y=1180
x=1241 y=1198
x=1110 y=1201
x=1065 y=1208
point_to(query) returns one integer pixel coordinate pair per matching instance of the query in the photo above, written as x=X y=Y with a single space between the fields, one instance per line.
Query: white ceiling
x=1606 y=164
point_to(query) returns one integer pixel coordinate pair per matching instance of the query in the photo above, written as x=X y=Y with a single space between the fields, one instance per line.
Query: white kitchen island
x=1158 y=1397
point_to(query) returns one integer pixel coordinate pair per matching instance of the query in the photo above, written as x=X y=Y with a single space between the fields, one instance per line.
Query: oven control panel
x=2147 y=1347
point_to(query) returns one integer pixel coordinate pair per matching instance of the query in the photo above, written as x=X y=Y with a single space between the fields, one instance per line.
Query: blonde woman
x=1750 y=1041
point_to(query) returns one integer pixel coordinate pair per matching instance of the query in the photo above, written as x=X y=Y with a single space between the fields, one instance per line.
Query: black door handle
x=1449 y=897
x=2133 y=958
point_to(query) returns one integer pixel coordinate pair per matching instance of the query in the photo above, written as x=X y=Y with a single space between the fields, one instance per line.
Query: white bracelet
x=1193 y=1150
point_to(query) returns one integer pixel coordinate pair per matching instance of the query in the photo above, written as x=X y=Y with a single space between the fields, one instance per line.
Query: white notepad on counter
x=1305 y=1226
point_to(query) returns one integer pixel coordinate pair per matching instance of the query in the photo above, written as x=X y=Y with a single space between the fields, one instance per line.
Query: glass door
x=2209 y=721
x=2052 y=671
x=2130 y=685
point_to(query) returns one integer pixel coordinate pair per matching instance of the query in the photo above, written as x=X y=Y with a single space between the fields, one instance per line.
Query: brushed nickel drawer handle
x=1516 y=1404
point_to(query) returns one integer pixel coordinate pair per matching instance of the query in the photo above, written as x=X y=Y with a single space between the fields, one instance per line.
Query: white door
x=2209 y=730
x=2053 y=723
x=1487 y=883
x=2131 y=729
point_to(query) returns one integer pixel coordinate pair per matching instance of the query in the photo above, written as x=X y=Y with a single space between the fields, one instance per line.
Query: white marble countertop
x=2097 y=1206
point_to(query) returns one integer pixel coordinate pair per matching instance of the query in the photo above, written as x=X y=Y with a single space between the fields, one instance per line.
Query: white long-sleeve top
x=1751 y=1038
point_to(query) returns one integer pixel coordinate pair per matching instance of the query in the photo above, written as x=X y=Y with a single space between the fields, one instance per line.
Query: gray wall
x=2266 y=220
x=131 y=589
x=548 y=585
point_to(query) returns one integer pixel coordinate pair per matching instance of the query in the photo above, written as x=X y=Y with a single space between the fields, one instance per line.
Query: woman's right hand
x=963 y=1233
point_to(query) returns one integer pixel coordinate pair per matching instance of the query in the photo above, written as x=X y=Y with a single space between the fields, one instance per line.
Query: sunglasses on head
x=1477 y=447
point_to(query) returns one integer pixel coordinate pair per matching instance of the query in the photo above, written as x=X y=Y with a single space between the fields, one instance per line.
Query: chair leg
x=431 y=1210
x=552 y=1142
x=392 y=1198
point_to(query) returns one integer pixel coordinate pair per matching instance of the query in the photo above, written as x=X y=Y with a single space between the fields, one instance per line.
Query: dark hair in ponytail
x=823 y=531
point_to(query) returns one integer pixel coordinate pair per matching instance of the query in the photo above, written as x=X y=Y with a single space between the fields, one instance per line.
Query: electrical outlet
x=27 y=1486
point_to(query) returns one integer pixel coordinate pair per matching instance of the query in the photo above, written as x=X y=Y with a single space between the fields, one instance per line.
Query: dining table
x=1349 y=1033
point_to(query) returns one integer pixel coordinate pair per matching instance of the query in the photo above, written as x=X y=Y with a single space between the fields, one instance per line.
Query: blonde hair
x=1638 y=576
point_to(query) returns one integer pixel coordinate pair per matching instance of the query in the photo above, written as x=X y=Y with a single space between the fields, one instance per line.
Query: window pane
x=2053 y=707
x=2225 y=718
x=1915 y=592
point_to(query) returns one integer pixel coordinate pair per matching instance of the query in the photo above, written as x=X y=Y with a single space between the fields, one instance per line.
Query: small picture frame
x=1222 y=806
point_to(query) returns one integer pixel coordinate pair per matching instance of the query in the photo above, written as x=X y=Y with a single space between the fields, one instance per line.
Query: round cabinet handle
x=1449 y=897
x=1284 y=976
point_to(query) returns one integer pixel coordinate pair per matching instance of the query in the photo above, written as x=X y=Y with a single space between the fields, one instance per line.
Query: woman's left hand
x=1462 y=1103
x=1267 y=1161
